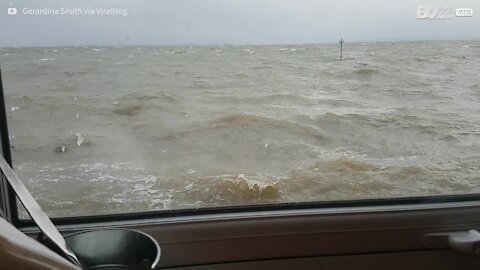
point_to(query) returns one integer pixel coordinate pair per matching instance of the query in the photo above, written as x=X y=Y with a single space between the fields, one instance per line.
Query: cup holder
x=111 y=249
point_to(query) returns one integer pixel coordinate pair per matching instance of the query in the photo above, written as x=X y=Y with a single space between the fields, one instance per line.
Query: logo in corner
x=435 y=12
x=12 y=11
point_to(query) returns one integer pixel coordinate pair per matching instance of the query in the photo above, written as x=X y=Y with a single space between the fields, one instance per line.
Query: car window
x=127 y=106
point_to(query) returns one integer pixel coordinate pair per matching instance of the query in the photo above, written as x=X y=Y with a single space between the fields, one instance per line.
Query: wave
x=202 y=84
x=344 y=165
x=239 y=75
x=366 y=72
x=337 y=179
x=385 y=121
x=350 y=179
x=75 y=73
x=250 y=127
x=46 y=59
x=123 y=187
x=134 y=104
x=128 y=110
x=264 y=67
x=229 y=190
x=337 y=103
x=293 y=99
x=66 y=189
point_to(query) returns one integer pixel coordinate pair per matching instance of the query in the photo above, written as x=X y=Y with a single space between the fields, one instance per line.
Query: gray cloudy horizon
x=236 y=22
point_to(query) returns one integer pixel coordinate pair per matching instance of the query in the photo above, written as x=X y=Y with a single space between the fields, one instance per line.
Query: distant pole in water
x=341 y=48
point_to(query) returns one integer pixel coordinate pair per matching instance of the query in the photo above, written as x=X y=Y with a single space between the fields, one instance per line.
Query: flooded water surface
x=98 y=130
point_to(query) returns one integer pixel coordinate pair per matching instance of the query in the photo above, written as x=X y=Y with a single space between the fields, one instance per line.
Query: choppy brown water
x=110 y=130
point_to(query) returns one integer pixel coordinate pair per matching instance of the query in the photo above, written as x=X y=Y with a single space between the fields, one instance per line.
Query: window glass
x=129 y=106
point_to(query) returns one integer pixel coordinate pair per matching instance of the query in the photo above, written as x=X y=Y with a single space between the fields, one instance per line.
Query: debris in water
x=14 y=108
x=80 y=138
x=61 y=148
x=191 y=171
x=75 y=98
x=266 y=145
x=78 y=115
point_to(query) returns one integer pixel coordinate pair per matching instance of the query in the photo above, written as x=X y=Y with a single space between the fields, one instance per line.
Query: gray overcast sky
x=208 y=22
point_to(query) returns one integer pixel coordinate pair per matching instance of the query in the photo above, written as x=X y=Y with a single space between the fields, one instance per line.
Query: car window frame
x=9 y=202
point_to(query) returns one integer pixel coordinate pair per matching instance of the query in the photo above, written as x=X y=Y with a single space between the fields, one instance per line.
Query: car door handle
x=467 y=242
